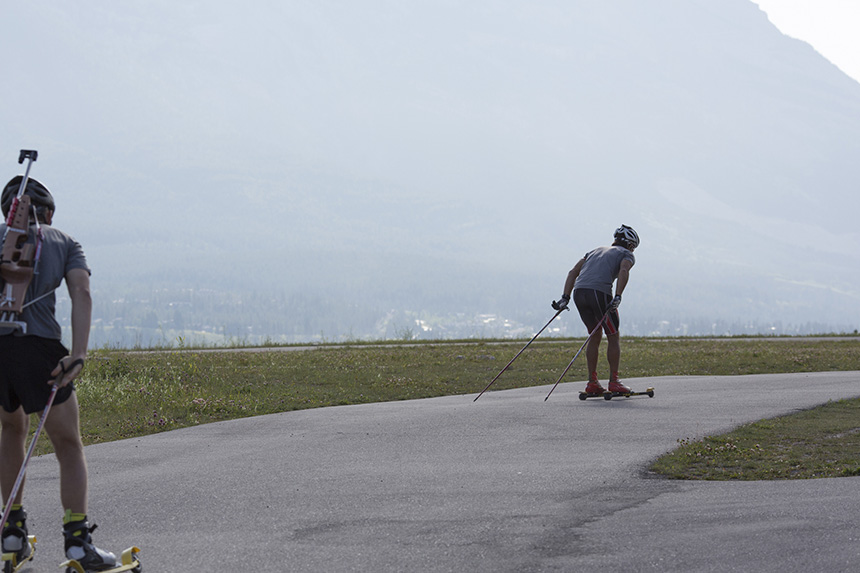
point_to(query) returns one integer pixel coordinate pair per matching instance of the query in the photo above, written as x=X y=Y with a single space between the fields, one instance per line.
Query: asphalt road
x=507 y=483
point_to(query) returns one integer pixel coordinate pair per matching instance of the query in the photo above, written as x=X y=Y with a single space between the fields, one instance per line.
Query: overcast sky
x=830 y=26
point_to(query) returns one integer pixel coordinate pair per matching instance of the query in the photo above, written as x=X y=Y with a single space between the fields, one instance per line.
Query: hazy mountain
x=321 y=167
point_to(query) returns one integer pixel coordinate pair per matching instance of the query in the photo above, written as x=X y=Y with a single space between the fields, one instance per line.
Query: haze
x=334 y=170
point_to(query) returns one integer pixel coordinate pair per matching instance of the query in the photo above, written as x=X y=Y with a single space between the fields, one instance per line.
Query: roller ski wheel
x=592 y=390
x=129 y=562
x=13 y=562
x=610 y=395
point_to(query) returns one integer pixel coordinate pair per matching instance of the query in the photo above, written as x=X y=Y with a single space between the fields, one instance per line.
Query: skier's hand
x=615 y=302
x=66 y=371
x=561 y=303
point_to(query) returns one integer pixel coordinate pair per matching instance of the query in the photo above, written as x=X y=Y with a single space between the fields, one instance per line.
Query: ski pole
x=520 y=352
x=20 y=479
x=596 y=328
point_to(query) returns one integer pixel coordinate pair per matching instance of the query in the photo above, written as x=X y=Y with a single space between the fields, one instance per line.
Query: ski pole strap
x=78 y=362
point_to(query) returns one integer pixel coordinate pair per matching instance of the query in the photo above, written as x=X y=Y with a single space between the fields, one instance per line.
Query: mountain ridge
x=207 y=139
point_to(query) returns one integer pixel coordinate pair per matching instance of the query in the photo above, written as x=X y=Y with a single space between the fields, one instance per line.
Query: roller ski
x=14 y=561
x=616 y=390
x=129 y=561
x=18 y=547
x=84 y=557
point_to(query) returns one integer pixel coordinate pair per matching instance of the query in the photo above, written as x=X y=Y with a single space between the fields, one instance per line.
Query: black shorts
x=592 y=305
x=26 y=363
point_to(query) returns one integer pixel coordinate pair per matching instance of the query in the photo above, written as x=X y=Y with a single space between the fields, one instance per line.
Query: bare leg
x=613 y=354
x=63 y=427
x=12 y=450
x=592 y=352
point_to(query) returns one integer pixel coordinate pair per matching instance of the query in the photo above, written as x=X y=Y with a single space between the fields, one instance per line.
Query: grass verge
x=817 y=443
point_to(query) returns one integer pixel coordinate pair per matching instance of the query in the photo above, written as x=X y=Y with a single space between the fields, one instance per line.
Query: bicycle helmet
x=628 y=236
x=39 y=194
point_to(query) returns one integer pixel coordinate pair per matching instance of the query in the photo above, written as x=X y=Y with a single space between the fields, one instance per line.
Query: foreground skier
x=590 y=281
x=32 y=359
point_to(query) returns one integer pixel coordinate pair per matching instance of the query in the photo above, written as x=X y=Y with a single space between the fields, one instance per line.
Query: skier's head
x=40 y=197
x=626 y=237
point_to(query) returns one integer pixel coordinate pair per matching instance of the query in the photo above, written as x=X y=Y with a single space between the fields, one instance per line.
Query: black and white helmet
x=628 y=236
x=39 y=194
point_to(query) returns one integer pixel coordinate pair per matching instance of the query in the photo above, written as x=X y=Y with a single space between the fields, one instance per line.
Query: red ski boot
x=593 y=388
x=617 y=387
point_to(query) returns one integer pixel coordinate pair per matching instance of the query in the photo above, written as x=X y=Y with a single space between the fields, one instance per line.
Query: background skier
x=31 y=362
x=590 y=281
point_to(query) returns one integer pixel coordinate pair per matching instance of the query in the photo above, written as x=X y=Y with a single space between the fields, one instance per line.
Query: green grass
x=128 y=394
x=817 y=443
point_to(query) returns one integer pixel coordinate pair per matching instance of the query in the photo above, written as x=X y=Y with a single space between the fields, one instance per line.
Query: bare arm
x=571 y=277
x=78 y=283
x=623 y=276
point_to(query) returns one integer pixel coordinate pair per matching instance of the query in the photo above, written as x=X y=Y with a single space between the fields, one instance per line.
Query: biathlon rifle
x=17 y=258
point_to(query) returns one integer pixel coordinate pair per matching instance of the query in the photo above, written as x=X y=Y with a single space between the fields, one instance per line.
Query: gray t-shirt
x=60 y=254
x=601 y=268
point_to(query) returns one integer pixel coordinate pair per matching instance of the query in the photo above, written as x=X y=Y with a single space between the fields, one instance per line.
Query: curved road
x=507 y=483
